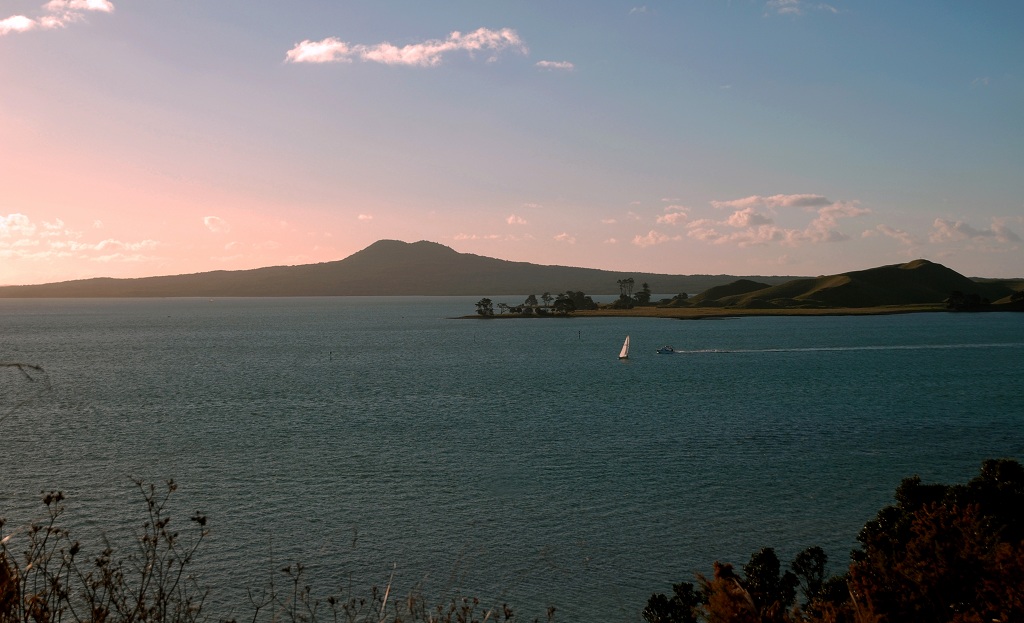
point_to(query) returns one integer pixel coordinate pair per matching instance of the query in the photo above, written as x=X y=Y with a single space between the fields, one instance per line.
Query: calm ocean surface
x=516 y=460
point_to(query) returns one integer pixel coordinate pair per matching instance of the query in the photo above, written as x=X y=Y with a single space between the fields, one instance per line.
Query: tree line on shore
x=569 y=301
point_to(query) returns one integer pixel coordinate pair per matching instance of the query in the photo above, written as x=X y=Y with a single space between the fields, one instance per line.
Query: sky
x=743 y=137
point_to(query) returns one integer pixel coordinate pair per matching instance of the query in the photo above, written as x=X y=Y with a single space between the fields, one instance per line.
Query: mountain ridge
x=385 y=268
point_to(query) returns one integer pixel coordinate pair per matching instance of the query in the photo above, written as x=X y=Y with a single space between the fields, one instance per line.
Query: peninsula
x=917 y=286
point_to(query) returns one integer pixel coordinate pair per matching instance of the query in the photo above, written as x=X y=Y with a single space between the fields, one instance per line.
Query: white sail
x=624 y=353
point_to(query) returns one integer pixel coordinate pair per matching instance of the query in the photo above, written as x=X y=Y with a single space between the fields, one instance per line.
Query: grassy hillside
x=914 y=283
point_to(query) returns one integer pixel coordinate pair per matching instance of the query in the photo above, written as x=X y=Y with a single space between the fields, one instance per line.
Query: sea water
x=382 y=440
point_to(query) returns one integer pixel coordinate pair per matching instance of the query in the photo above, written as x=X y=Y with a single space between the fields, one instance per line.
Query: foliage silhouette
x=941 y=553
x=47 y=577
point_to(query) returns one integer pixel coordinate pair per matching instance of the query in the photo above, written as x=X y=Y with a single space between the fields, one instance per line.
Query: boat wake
x=818 y=349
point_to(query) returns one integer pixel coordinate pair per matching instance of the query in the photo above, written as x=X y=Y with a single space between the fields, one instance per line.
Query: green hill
x=736 y=288
x=914 y=283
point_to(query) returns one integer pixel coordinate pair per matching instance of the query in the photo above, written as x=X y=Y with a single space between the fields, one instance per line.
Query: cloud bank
x=752 y=221
x=23 y=239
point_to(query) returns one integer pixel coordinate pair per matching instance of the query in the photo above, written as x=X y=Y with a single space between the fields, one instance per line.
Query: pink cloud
x=748 y=217
x=654 y=237
x=775 y=201
x=892 y=232
x=674 y=215
x=477 y=237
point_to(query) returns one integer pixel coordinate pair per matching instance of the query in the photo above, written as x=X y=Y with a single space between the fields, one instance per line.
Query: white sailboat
x=624 y=353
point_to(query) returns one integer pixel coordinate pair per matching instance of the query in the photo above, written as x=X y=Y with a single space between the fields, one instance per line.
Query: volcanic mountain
x=385 y=268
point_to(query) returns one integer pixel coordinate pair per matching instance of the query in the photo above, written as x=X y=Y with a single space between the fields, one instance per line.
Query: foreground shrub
x=46 y=577
x=942 y=553
x=51 y=580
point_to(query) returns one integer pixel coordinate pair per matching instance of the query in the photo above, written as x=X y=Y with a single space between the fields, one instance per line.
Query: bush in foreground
x=46 y=577
x=942 y=553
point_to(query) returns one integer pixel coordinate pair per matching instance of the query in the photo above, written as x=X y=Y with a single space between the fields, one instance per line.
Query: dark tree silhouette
x=484 y=307
x=940 y=554
x=625 y=287
x=643 y=297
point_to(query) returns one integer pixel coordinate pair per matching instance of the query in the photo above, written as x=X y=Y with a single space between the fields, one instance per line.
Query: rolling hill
x=918 y=282
x=385 y=268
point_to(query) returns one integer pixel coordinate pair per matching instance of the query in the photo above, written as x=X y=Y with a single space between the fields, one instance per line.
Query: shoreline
x=718 y=313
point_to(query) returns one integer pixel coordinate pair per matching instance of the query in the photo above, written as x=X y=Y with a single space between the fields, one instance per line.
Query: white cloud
x=785 y=6
x=608 y=221
x=564 y=65
x=427 y=54
x=329 y=50
x=797 y=7
x=365 y=217
x=104 y=245
x=56 y=14
x=48 y=241
x=16 y=23
x=56 y=228
x=477 y=237
x=564 y=237
x=653 y=238
x=16 y=225
x=515 y=220
x=216 y=224
x=751 y=222
x=57 y=6
x=945 y=231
